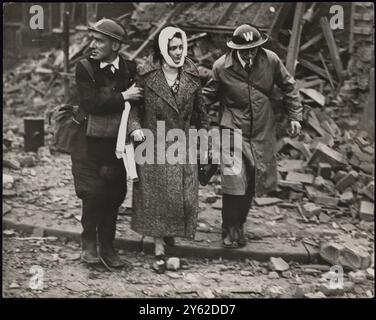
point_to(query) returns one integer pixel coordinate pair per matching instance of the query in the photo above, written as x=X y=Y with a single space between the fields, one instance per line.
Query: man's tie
x=247 y=67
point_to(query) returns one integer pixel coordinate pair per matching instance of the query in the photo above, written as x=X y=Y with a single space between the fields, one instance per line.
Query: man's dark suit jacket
x=101 y=97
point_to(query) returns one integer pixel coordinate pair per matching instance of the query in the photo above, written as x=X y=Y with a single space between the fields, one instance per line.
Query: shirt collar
x=242 y=62
x=115 y=63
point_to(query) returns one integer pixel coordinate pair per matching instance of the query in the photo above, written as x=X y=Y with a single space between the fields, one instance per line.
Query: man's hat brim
x=109 y=34
x=258 y=43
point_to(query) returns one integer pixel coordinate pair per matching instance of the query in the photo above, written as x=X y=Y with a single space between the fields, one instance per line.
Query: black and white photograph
x=198 y=151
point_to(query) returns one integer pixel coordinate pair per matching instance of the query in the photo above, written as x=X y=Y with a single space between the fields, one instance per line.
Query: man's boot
x=89 y=252
x=109 y=256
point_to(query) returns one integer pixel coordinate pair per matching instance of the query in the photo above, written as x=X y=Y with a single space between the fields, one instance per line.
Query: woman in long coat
x=165 y=199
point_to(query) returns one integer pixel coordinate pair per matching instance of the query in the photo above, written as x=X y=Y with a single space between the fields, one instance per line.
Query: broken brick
x=320 y=197
x=264 y=201
x=310 y=209
x=278 y=264
x=323 y=153
x=347 y=197
x=369 y=190
x=366 y=211
x=287 y=165
x=347 y=181
x=339 y=175
x=324 y=170
x=300 y=177
x=294 y=185
x=347 y=255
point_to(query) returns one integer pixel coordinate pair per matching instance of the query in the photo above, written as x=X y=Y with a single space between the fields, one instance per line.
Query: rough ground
x=66 y=277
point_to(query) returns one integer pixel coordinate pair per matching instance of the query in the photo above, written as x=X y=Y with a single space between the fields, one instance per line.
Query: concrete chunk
x=310 y=210
x=173 y=263
x=323 y=153
x=366 y=211
x=347 y=181
x=324 y=170
x=264 y=201
x=278 y=264
x=300 y=177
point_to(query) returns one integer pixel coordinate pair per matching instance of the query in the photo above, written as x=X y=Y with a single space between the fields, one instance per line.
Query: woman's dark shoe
x=230 y=240
x=170 y=241
x=159 y=266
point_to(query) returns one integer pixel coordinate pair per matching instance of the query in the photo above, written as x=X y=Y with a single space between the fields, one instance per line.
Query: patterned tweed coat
x=165 y=199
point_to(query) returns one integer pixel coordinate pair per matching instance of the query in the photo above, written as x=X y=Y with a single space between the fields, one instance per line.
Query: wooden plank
x=294 y=45
x=326 y=70
x=229 y=10
x=333 y=49
x=309 y=65
x=311 y=42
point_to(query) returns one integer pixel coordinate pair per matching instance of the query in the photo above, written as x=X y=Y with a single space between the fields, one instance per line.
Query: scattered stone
x=370 y=273
x=323 y=153
x=44 y=152
x=324 y=170
x=205 y=293
x=310 y=209
x=14 y=285
x=339 y=175
x=314 y=295
x=369 y=294
x=203 y=227
x=27 y=161
x=9 y=233
x=319 y=182
x=173 y=263
x=358 y=277
x=278 y=264
x=275 y=291
x=366 y=211
x=369 y=190
x=347 y=255
x=11 y=163
x=8 y=181
x=264 y=201
x=347 y=181
x=347 y=197
x=300 y=177
x=67 y=215
x=294 y=185
x=76 y=286
x=273 y=275
x=324 y=218
x=287 y=165
x=330 y=290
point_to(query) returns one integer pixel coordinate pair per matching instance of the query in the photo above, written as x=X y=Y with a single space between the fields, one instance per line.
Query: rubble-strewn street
x=65 y=276
x=318 y=222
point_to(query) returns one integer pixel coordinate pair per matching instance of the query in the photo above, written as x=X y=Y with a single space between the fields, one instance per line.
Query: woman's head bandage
x=164 y=37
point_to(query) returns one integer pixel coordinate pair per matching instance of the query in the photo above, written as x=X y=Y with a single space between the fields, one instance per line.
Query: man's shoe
x=89 y=252
x=110 y=257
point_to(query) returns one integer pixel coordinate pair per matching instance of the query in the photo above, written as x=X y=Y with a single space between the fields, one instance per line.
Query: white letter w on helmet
x=248 y=36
